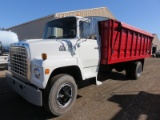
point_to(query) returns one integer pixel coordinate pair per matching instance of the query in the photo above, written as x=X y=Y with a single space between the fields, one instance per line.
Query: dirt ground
x=118 y=98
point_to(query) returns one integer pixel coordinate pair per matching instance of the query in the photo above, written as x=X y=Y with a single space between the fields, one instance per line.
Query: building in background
x=155 y=44
x=34 y=29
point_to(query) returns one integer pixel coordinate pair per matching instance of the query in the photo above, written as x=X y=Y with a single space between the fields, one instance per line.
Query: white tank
x=6 y=38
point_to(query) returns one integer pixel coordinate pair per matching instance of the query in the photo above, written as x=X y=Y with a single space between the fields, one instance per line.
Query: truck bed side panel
x=121 y=42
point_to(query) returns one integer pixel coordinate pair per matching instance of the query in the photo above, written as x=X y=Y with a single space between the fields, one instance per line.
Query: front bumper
x=30 y=93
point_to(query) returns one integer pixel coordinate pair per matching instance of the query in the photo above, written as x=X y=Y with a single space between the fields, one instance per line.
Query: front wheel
x=1 y=52
x=60 y=94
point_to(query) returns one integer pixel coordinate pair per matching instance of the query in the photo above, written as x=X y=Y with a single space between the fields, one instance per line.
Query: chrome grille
x=18 y=61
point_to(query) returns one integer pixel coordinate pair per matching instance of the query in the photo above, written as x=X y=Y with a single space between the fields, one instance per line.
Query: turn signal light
x=44 y=56
x=46 y=71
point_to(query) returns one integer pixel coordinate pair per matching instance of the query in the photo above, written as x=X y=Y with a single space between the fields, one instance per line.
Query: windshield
x=61 y=28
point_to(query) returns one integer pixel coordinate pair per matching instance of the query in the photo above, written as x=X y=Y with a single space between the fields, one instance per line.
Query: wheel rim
x=139 y=71
x=64 y=95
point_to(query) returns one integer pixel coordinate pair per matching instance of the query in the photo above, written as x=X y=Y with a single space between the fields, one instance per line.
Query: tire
x=60 y=94
x=1 y=52
x=108 y=71
x=120 y=68
x=137 y=70
x=129 y=73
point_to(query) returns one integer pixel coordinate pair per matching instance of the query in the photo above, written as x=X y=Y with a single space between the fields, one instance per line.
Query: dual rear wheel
x=134 y=70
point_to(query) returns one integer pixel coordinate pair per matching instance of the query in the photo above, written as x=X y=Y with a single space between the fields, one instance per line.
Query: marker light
x=46 y=71
x=44 y=56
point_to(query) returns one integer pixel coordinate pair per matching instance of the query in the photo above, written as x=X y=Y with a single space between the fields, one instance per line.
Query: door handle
x=78 y=45
x=96 y=47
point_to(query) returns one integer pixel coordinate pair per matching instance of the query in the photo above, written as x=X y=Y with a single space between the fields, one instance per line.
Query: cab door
x=89 y=50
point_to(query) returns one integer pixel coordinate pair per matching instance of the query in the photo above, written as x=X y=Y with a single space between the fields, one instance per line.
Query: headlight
x=37 y=73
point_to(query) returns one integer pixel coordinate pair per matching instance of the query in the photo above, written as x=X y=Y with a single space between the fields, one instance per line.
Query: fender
x=51 y=64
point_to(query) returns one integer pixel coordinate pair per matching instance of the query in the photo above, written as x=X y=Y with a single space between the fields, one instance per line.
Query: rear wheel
x=134 y=70
x=60 y=94
x=119 y=69
x=137 y=70
x=129 y=73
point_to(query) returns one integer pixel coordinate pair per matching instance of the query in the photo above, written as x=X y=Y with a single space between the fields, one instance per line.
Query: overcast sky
x=144 y=14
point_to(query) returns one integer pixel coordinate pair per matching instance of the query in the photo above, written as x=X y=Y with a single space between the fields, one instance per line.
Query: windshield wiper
x=64 y=36
x=51 y=36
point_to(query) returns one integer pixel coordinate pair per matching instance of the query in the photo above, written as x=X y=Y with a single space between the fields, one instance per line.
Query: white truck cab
x=45 y=71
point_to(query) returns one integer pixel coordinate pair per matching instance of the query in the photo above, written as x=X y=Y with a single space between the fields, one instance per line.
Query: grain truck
x=45 y=71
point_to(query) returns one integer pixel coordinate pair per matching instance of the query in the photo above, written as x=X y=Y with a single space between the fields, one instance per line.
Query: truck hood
x=53 y=48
